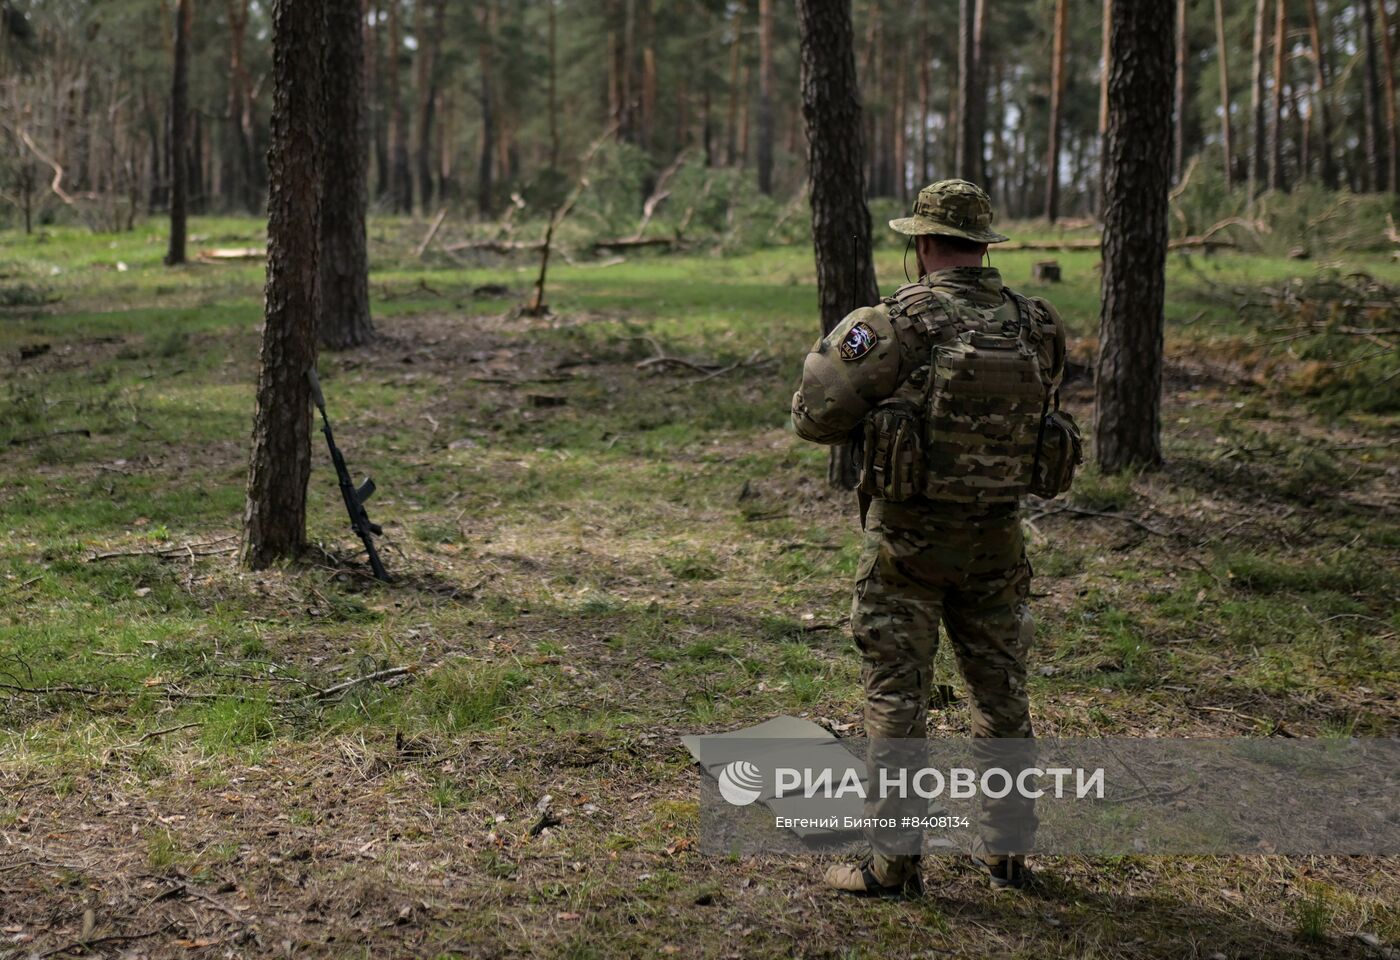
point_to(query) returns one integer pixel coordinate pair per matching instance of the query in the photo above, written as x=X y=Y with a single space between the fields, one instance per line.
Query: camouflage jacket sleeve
x=861 y=362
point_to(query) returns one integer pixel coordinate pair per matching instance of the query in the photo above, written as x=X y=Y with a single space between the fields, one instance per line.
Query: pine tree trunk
x=1327 y=167
x=1128 y=385
x=345 y=317
x=765 y=96
x=400 y=182
x=1277 y=179
x=552 y=43
x=835 y=156
x=1392 y=148
x=485 y=185
x=425 y=68
x=646 y=124
x=180 y=133
x=898 y=125
x=274 y=523
x=707 y=132
x=1223 y=59
x=925 y=96
x=970 y=107
x=1258 y=137
x=1105 y=65
x=1179 y=101
x=1371 y=96
x=1057 y=97
x=243 y=173
x=731 y=127
x=378 y=132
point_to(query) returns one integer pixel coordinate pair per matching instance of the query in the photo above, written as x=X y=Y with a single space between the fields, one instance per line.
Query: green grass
x=582 y=583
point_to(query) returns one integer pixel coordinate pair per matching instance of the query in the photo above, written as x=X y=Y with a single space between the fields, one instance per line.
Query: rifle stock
x=354 y=497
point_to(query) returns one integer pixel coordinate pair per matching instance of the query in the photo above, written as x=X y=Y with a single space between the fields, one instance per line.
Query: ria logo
x=740 y=782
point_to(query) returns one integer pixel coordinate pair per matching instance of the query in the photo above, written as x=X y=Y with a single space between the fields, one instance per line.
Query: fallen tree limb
x=233 y=253
x=660 y=193
x=627 y=243
x=379 y=676
x=1085 y=512
x=495 y=246
x=536 y=306
x=432 y=232
x=180 y=550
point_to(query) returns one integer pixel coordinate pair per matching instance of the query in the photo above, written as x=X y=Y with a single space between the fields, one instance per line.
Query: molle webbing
x=985 y=394
x=984 y=404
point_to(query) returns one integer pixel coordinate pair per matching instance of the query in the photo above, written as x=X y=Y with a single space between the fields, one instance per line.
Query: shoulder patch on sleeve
x=858 y=341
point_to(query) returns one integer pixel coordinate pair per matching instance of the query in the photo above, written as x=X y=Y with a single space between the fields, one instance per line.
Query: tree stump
x=1045 y=271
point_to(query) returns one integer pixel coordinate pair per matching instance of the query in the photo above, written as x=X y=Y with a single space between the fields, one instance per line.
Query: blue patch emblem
x=859 y=341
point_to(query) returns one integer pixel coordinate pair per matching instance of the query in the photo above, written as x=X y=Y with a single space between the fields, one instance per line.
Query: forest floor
x=594 y=558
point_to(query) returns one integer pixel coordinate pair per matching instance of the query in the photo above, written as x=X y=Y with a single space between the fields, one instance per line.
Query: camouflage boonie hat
x=951 y=208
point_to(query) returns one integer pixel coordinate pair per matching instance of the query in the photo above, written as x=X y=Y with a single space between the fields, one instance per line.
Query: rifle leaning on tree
x=353 y=496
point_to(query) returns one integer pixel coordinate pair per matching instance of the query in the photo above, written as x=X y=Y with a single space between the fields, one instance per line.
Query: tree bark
x=1179 y=101
x=1392 y=148
x=1277 y=178
x=180 y=133
x=1057 y=97
x=1105 y=55
x=923 y=45
x=731 y=127
x=552 y=11
x=1128 y=385
x=425 y=67
x=240 y=109
x=485 y=186
x=344 y=267
x=1327 y=167
x=646 y=126
x=970 y=94
x=1257 y=165
x=1375 y=155
x=765 y=96
x=831 y=112
x=899 y=124
x=274 y=523
x=378 y=135
x=400 y=183
x=1222 y=57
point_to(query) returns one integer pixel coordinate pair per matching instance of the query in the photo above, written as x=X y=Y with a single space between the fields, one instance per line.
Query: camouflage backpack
x=974 y=424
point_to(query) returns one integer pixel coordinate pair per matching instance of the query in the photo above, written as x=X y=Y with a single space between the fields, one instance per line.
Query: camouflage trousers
x=924 y=562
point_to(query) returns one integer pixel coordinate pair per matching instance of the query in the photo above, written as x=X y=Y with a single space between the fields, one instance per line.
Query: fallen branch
x=632 y=243
x=20 y=586
x=537 y=307
x=495 y=246
x=659 y=193
x=379 y=676
x=85 y=944
x=1085 y=512
x=432 y=232
x=157 y=734
x=233 y=253
x=180 y=550
x=690 y=210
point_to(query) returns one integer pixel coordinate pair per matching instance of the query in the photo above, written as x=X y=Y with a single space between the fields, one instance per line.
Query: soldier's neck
x=929 y=265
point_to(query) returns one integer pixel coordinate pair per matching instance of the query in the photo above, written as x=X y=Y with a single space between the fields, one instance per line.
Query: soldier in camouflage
x=941 y=550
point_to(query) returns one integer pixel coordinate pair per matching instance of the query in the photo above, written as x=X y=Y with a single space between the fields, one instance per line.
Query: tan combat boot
x=1005 y=872
x=860 y=878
